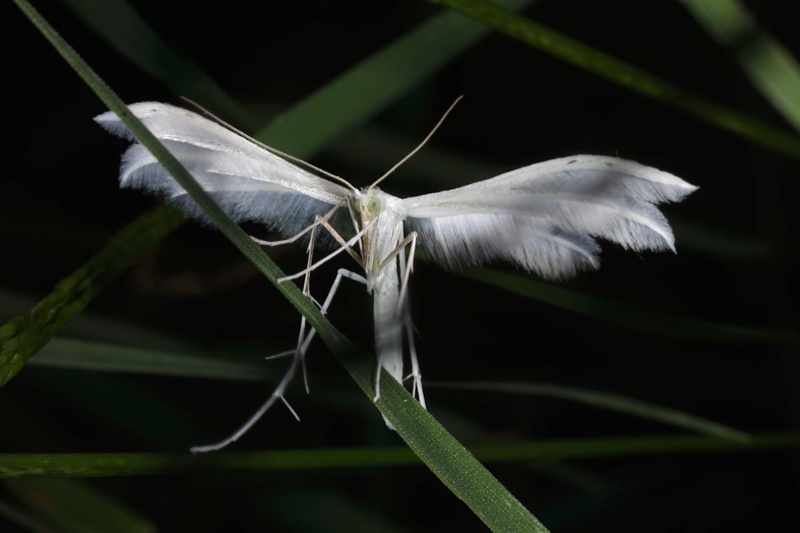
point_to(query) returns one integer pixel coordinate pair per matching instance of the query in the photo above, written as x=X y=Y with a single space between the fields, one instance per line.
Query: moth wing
x=545 y=217
x=247 y=181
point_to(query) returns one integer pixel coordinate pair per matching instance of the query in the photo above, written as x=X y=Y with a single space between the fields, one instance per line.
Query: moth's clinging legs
x=278 y=393
x=345 y=247
x=303 y=343
x=317 y=221
x=405 y=269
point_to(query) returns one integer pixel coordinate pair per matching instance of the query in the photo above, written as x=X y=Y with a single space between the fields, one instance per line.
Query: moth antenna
x=417 y=149
x=268 y=148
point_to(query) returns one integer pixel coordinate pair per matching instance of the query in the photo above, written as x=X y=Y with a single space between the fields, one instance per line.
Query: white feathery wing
x=248 y=182
x=543 y=217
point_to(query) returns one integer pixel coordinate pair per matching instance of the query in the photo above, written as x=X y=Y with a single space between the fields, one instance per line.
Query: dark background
x=735 y=265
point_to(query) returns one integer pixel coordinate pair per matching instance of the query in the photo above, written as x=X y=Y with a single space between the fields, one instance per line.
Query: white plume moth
x=543 y=218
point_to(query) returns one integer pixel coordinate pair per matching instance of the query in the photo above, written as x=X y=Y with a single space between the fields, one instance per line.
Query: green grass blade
x=102 y=357
x=446 y=457
x=23 y=336
x=24 y=465
x=770 y=67
x=640 y=445
x=459 y=470
x=612 y=402
x=633 y=78
x=632 y=316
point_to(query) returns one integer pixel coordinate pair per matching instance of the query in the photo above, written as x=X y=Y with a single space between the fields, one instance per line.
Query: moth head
x=369 y=204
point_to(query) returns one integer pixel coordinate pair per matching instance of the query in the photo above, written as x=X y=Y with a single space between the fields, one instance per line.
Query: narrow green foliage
x=370 y=86
x=23 y=336
x=21 y=465
x=612 y=402
x=770 y=67
x=633 y=78
x=101 y=357
x=631 y=316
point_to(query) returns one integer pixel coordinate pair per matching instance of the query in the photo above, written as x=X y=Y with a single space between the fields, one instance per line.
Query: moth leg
x=405 y=268
x=280 y=390
x=343 y=273
x=305 y=337
x=278 y=393
x=416 y=375
x=404 y=265
x=290 y=240
x=302 y=346
x=303 y=342
x=280 y=354
x=317 y=221
x=346 y=246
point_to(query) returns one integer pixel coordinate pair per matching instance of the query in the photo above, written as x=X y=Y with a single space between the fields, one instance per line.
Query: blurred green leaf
x=23 y=336
x=372 y=85
x=633 y=78
x=102 y=357
x=21 y=465
x=631 y=316
x=605 y=400
x=770 y=66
